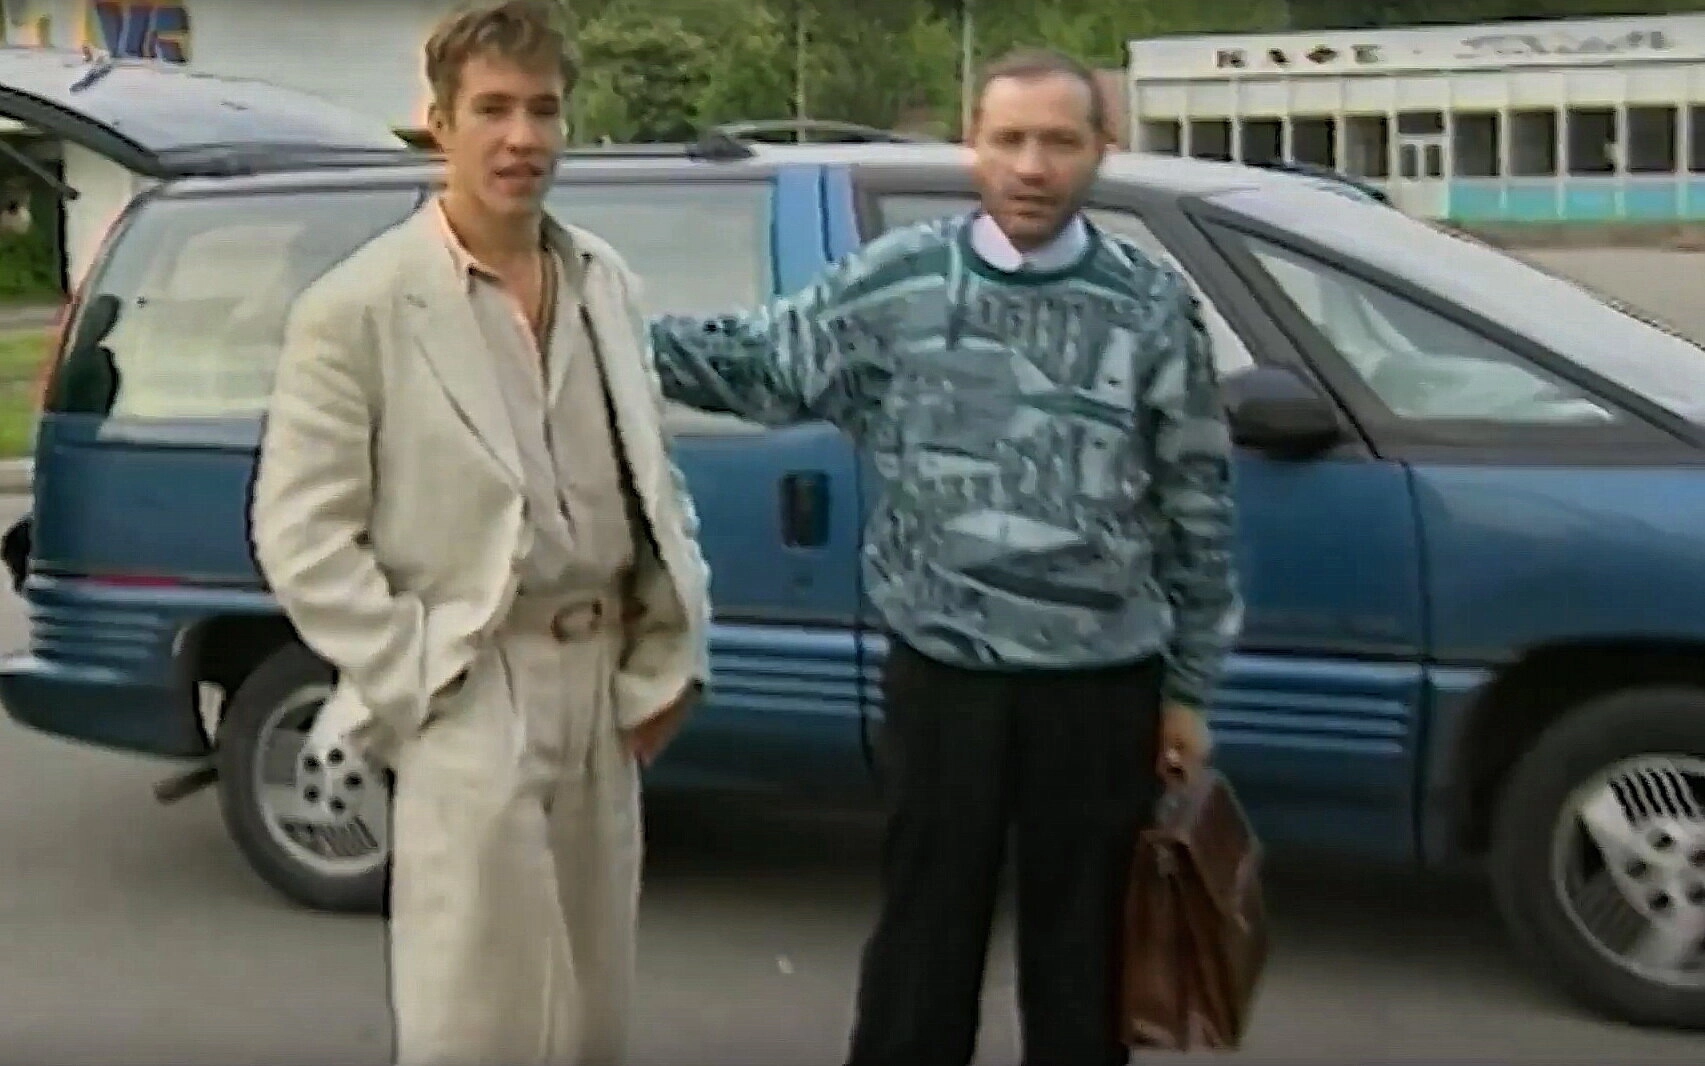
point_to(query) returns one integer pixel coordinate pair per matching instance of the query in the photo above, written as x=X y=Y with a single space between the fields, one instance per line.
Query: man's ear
x=437 y=123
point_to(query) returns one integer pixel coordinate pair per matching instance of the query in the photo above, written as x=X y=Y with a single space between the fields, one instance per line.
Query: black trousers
x=1063 y=764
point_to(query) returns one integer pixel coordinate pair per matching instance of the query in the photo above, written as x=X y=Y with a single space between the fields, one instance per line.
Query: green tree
x=641 y=80
x=878 y=62
x=750 y=64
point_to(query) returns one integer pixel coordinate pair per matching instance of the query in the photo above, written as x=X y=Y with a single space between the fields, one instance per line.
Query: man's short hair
x=1027 y=64
x=527 y=32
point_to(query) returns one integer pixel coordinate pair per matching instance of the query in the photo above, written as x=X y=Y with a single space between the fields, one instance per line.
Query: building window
x=1420 y=123
x=1211 y=139
x=1314 y=139
x=1533 y=144
x=1367 y=146
x=1474 y=145
x=1164 y=137
x=1696 y=139
x=1421 y=160
x=1262 y=140
x=1591 y=136
x=1651 y=133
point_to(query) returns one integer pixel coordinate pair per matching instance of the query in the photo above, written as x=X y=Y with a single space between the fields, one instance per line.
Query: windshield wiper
x=98 y=69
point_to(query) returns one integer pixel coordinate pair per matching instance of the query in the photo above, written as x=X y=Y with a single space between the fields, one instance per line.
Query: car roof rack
x=217 y=160
x=733 y=141
x=1318 y=170
x=229 y=160
x=836 y=132
x=723 y=142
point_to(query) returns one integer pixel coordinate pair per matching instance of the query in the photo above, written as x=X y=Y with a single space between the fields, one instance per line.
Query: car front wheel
x=319 y=834
x=1598 y=855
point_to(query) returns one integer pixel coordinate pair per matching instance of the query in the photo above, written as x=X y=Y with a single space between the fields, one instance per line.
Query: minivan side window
x=1421 y=366
x=195 y=294
x=1230 y=353
x=697 y=247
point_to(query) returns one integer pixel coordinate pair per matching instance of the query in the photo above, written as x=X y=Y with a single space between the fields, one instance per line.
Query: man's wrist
x=1184 y=697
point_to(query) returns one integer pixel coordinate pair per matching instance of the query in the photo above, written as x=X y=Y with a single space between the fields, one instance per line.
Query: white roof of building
x=1483 y=46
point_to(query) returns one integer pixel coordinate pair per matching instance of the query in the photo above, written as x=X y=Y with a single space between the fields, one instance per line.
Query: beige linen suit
x=400 y=519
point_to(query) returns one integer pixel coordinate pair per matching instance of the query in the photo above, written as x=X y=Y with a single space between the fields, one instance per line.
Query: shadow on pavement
x=1403 y=927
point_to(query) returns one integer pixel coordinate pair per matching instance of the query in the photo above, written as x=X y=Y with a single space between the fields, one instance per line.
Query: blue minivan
x=1472 y=511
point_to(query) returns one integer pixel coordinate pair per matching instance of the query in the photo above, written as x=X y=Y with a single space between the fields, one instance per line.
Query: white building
x=1580 y=120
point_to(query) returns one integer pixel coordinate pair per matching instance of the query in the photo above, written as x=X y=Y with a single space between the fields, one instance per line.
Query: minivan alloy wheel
x=317 y=832
x=331 y=815
x=1628 y=866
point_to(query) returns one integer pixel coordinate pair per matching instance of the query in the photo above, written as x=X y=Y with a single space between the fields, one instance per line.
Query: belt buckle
x=577 y=622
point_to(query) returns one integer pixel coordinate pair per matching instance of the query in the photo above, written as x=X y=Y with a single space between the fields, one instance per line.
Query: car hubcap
x=330 y=813
x=1628 y=864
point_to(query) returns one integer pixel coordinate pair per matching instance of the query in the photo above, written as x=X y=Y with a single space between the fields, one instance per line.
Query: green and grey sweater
x=1055 y=467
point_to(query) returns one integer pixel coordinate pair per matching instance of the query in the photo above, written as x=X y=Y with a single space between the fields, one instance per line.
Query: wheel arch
x=1530 y=694
x=223 y=650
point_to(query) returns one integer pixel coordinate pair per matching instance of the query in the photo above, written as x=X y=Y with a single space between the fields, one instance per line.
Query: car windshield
x=1605 y=336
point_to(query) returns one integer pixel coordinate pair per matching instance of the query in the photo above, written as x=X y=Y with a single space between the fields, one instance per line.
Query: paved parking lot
x=1665 y=284
x=133 y=933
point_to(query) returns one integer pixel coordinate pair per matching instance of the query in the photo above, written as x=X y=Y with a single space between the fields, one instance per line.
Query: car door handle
x=805 y=509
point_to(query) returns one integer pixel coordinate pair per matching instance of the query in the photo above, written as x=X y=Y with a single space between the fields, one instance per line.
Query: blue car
x=1472 y=507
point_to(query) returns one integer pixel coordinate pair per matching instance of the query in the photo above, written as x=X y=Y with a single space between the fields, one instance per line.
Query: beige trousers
x=516 y=856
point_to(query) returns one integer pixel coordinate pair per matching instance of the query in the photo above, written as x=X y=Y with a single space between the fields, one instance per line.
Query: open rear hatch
x=164 y=121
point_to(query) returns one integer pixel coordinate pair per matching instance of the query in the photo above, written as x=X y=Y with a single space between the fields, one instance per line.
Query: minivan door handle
x=805 y=509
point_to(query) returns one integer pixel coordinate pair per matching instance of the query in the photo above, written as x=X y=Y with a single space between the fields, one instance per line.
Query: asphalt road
x=1669 y=285
x=134 y=933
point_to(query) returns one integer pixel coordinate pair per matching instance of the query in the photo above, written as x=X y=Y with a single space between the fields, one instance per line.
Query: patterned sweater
x=1054 y=464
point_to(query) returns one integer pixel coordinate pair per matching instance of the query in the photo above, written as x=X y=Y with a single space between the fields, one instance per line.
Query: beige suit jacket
x=387 y=511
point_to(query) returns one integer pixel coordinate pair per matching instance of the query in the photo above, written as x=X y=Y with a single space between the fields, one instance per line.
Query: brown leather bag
x=1196 y=936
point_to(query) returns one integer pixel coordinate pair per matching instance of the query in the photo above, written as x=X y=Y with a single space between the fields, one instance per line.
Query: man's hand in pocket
x=647 y=740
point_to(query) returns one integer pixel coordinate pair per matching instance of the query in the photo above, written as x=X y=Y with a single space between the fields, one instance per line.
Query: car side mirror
x=1276 y=410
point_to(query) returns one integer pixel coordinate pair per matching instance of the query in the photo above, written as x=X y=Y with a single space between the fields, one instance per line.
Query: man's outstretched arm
x=798 y=358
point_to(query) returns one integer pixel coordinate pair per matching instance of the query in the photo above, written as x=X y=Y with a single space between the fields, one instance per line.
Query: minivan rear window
x=201 y=287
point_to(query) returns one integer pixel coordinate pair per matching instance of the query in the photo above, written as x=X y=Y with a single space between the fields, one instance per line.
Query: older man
x=1052 y=555
x=465 y=505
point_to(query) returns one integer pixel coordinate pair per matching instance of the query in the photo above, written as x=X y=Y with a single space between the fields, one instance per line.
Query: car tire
x=290 y=685
x=1642 y=735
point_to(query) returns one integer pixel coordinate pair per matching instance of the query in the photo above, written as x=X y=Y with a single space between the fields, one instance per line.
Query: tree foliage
x=642 y=79
x=661 y=69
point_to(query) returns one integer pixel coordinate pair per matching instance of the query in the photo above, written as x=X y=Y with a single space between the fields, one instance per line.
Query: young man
x=1053 y=558
x=465 y=505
